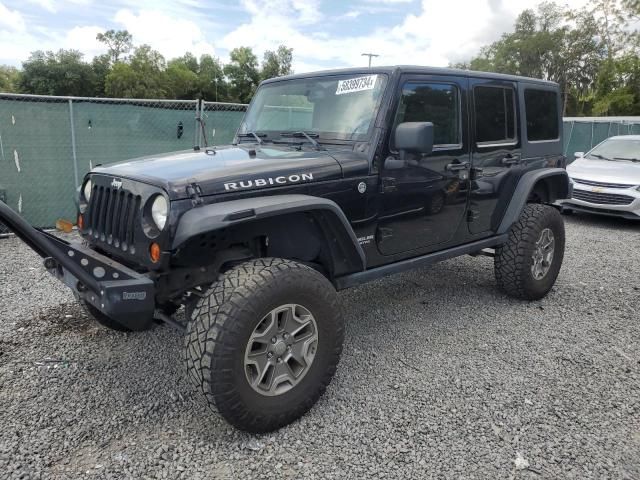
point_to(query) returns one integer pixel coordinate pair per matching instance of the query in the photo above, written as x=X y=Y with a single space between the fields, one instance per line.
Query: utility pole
x=370 y=55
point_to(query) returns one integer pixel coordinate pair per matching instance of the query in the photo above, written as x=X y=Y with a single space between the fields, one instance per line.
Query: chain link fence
x=583 y=133
x=48 y=144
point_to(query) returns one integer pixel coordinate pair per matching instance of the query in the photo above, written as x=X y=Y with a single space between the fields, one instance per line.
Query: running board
x=359 y=278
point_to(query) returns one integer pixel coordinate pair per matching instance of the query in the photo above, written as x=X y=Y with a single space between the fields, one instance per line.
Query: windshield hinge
x=388 y=184
x=195 y=194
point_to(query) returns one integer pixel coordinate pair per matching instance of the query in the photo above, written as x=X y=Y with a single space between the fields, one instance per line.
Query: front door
x=424 y=197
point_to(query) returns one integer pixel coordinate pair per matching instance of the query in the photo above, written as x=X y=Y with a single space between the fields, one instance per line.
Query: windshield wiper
x=308 y=136
x=601 y=157
x=629 y=159
x=253 y=135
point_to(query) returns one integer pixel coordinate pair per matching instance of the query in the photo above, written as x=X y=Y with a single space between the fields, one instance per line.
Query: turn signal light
x=80 y=222
x=64 y=225
x=154 y=252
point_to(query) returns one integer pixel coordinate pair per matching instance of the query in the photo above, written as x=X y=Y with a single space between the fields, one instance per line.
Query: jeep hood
x=228 y=169
x=622 y=172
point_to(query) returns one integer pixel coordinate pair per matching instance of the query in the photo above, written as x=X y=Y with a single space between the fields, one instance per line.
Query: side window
x=542 y=114
x=495 y=112
x=437 y=103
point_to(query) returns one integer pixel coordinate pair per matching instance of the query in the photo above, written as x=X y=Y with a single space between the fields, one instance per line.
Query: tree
x=211 y=79
x=278 y=63
x=60 y=73
x=182 y=82
x=143 y=76
x=188 y=60
x=119 y=43
x=9 y=79
x=101 y=66
x=243 y=74
x=545 y=45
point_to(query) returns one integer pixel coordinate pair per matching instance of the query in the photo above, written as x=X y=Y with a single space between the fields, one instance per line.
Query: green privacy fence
x=47 y=144
x=583 y=133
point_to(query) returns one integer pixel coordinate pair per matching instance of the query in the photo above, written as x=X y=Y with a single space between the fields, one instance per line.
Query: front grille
x=602 y=184
x=112 y=215
x=602 y=198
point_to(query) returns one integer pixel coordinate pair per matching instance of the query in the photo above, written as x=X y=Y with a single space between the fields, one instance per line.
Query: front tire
x=264 y=342
x=527 y=265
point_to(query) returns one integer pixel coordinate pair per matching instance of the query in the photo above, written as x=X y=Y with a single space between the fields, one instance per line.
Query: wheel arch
x=538 y=186
x=300 y=227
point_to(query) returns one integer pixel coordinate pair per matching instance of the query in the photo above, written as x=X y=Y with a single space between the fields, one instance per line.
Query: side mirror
x=579 y=154
x=414 y=137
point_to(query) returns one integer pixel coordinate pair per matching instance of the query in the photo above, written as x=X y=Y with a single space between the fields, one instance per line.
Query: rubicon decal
x=263 y=182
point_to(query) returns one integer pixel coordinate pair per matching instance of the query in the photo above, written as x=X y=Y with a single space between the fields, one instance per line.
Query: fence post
x=73 y=144
x=196 y=139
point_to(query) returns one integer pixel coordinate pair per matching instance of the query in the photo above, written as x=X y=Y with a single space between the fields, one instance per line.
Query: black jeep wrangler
x=334 y=179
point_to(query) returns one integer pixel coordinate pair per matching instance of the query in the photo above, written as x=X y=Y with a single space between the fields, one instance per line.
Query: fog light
x=154 y=252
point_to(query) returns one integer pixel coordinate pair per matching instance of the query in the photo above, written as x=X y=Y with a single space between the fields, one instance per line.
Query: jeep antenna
x=370 y=55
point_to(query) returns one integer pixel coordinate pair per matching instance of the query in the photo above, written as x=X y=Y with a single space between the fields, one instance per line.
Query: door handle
x=511 y=160
x=454 y=167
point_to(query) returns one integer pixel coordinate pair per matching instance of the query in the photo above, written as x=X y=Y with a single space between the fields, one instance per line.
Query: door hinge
x=195 y=194
x=472 y=215
x=389 y=184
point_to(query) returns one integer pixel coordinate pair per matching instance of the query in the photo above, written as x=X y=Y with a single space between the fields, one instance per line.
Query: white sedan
x=606 y=179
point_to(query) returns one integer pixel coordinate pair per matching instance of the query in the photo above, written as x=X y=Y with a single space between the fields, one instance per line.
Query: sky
x=323 y=33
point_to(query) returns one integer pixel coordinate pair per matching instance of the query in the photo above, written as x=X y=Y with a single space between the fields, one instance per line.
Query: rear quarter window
x=541 y=110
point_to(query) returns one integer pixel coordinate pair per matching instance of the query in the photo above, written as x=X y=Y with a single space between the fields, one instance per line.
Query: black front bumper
x=126 y=296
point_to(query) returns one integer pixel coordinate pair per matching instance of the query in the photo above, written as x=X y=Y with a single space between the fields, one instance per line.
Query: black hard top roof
x=413 y=69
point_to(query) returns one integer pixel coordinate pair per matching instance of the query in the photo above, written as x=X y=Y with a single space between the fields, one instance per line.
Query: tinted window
x=542 y=114
x=495 y=114
x=432 y=102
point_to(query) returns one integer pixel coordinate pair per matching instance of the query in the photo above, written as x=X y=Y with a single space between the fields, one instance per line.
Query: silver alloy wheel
x=281 y=350
x=543 y=254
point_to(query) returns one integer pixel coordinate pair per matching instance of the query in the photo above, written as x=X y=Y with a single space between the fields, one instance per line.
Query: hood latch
x=195 y=194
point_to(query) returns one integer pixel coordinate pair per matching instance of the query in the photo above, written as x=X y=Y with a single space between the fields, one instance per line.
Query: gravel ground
x=442 y=377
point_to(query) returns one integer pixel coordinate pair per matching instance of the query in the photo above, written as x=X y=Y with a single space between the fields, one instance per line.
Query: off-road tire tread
x=511 y=259
x=209 y=339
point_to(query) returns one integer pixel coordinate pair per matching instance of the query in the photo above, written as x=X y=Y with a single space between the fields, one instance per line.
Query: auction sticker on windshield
x=356 y=84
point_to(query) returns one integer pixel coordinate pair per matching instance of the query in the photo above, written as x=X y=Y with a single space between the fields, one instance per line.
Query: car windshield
x=617 y=149
x=341 y=107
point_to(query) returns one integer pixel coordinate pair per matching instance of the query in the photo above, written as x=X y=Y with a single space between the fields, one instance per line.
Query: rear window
x=541 y=108
x=495 y=110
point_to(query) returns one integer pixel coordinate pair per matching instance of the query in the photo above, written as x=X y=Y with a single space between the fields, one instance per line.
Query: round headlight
x=159 y=211
x=86 y=190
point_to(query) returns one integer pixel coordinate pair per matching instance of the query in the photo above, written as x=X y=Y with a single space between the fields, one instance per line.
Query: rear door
x=496 y=151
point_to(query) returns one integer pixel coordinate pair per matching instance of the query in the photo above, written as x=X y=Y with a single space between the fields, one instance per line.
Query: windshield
x=616 y=149
x=341 y=107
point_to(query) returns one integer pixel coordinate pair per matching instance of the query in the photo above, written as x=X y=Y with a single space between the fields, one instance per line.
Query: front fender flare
x=207 y=218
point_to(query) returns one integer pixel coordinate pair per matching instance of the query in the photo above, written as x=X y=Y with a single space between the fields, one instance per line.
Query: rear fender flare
x=556 y=183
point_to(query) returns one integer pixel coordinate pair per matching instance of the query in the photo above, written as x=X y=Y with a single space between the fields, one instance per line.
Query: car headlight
x=86 y=190
x=159 y=211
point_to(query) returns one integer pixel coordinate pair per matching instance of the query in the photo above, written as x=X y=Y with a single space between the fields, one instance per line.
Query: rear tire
x=264 y=342
x=102 y=319
x=527 y=265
